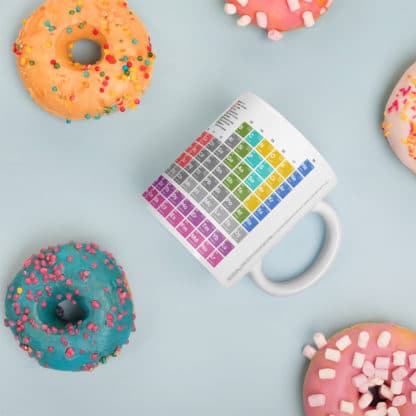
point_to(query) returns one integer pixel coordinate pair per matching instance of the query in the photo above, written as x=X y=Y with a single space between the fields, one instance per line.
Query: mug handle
x=317 y=269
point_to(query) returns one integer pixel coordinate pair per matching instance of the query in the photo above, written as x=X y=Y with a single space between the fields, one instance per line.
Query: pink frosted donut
x=277 y=16
x=366 y=370
x=400 y=119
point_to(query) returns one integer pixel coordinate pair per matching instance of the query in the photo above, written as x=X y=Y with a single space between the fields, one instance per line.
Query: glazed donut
x=399 y=124
x=366 y=370
x=74 y=91
x=88 y=279
x=277 y=16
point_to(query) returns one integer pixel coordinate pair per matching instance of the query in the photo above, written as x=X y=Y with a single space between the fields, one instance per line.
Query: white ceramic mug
x=239 y=188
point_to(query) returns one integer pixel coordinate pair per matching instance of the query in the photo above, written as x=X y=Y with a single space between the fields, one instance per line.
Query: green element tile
x=242 y=170
x=241 y=214
x=242 y=192
x=254 y=138
x=232 y=160
x=254 y=159
x=264 y=170
x=253 y=181
x=231 y=182
x=244 y=129
x=243 y=149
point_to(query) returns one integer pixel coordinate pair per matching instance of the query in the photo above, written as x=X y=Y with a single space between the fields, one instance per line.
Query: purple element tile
x=185 y=207
x=150 y=194
x=215 y=259
x=157 y=201
x=196 y=217
x=185 y=229
x=206 y=228
x=160 y=183
x=176 y=198
x=205 y=249
x=216 y=238
x=195 y=239
x=165 y=208
x=226 y=248
x=175 y=218
x=167 y=190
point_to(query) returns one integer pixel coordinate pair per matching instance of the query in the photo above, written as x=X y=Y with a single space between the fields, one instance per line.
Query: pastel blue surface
x=201 y=349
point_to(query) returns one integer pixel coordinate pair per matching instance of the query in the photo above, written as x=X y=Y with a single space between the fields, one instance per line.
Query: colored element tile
x=183 y=160
x=215 y=259
x=295 y=179
x=275 y=158
x=253 y=159
x=254 y=138
x=239 y=235
x=241 y=214
x=231 y=182
x=205 y=138
x=150 y=194
x=243 y=149
x=168 y=190
x=264 y=147
x=252 y=203
x=284 y=190
x=242 y=192
x=205 y=249
x=250 y=224
x=174 y=218
x=242 y=170
x=263 y=191
x=196 y=217
x=157 y=201
x=306 y=168
x=285 y=169
x=231 y=204
x=165 y=208
x=226 y=248
x=216 y=238
x=253 y=181
x=272 y=201
x=264 y=170
x=232 y=160
x=244 y=129
x=195 y=239
x=274 y=180
x=261 y=212
x=186 y=207
x=160 y=183
x=176 y=198
x=185 y=229
x=206 y=228
x=194 y=148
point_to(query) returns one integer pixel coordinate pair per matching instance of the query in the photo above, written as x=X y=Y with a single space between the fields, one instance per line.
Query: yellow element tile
x=252 y=203
x=274 y=180
x=286 y=169
x=275 y=158
x=264 y=148
x=263 y=191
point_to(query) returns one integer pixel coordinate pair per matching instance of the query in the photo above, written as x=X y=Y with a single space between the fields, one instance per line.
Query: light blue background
x=201 y=349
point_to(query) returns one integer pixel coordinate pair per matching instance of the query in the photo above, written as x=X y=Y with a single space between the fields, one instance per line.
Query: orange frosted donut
x=366 y=370
x=75 y=91
x=277 y=16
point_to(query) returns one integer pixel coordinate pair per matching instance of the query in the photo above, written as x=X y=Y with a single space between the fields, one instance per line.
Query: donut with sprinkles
x=70 y=307
x=366 y=370
x=77 y=91
x=277 y=16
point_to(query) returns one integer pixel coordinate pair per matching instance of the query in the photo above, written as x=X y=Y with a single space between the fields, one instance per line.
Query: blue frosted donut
x=70 y=307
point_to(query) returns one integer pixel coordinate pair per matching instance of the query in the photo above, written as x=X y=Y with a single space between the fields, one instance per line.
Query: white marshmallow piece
x=400 y=373
x=308 y=19
x=381 y=409
x=309 y=352
x=412 y=361
x=242 y=2
x=368 y=369
x=383 y=339
x=230 y=8
x=293 y=5
x=274 y=35
x=364 y=388
x=393 y=411
x=332 y=355
x=358 y=360
x=316 y=400
x=363 y=339
x=343 y=343
x=365 y=400
x=413 y=397
x=382 y=363
x=372 y=412
x=346 y=407
x=396 y=387
x=385 y=392
x=376 y=381
x=399 y=401
x=399 y=358
x=244 y=21
x=383 y=374
x=320 y=340
x=327 y=374
x=359 y=380
x=261 y=19
x=412 y=379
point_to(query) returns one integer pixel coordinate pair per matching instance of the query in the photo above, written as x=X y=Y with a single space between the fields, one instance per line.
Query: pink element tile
x=175 y=218
x=195 y=239
x=206 y=228
x=165 y=208
x=217 y=238
x=157 y=201
x=176 y=198
x=167 y=190
x=196 y=217
x=205 y=249
x=150 y=194
x=226 y=248
x=215 y=259
x=160 y=183
x=186 y=207
x=185 y=229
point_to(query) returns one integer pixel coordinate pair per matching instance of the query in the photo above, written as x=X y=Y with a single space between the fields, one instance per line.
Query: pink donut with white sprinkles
x=366 y=370
x=277 y=16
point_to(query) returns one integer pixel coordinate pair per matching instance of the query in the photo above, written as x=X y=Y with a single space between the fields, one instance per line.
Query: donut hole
x=86 y=52
x=70 y=312
x=377 y=398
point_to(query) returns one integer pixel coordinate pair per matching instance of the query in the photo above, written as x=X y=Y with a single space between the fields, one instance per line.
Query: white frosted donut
x=399 y=124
